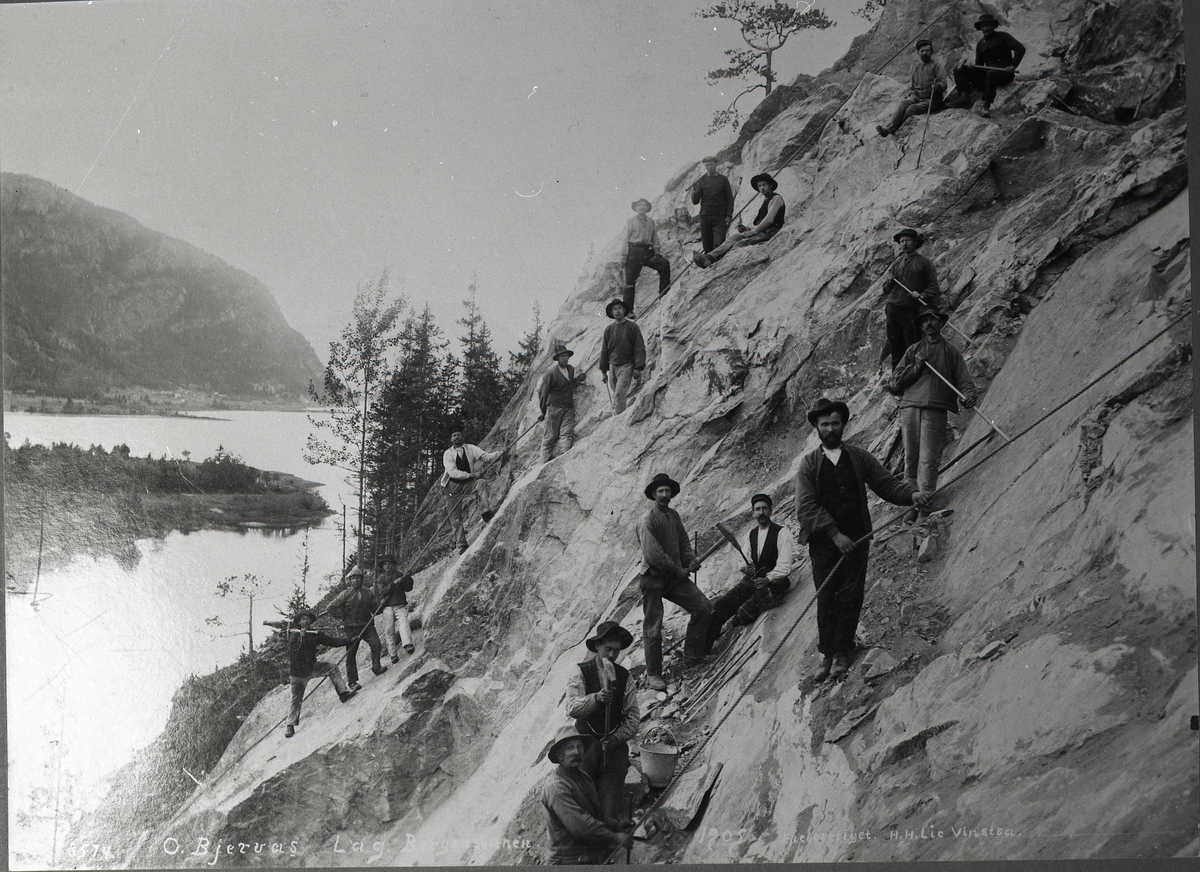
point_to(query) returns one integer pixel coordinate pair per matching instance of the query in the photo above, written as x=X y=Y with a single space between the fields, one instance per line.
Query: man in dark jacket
x=392 y=590
x=1000 y=54
x=767 y=223
x=556 y=399
x=356 y=606
x=624 y=352
x=925 y=399
x=764 y=580
x=928 y=87
x=715 y=196
x=909 y=272
x=831 y=507
x=603 y=701
x=579 y=833
x=303 y=665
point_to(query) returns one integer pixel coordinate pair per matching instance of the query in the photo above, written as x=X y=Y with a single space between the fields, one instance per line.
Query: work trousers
x=753 y=239
x=966 y=80
x=644 y=256
x=712 y=231
x=360 y=634
x=924 y=433
x=457 y=493
x=901 y=331
x=744 y=600
x=840 y=603
x=320 y=668
x=610 y=778
x=396 y=632
x=688 y=597
x=907 y=108
x=560 y=424
x=620 y=378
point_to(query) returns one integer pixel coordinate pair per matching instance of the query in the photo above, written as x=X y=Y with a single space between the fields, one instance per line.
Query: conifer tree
x=481 y=395
x=519 y=363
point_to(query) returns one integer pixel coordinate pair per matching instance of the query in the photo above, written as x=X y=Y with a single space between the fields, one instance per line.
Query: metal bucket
x=658 y=763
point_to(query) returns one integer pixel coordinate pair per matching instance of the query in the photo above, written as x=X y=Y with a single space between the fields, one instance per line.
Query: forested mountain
x=93 y=299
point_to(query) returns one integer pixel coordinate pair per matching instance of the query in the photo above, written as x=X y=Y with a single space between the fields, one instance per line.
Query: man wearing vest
x=392 y=589
x=669 y=558
x=356 y=606
x=556 y=399
x=767 y=223
x=603 y=701
x=764 y=579
x=831 y=507
x=578 y=831
x=463 y=464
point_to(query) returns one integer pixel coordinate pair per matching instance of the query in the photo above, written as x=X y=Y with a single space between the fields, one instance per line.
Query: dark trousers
x=687 y=596
x=901 y=331
x=966 y=80
x=643 y=256
x=372 y=639
x=712 y=231
x=610 y=778
x=743 y=599
x=840 y=603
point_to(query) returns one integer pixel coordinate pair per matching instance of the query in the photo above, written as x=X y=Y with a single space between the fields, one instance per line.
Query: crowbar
x=990 y=422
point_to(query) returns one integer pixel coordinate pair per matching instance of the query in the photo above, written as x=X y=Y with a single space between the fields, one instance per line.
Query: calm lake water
x=96 y=662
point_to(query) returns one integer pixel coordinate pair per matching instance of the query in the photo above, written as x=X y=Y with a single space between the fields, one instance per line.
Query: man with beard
x=831 y=507
x=578 y=831
x=928 y=86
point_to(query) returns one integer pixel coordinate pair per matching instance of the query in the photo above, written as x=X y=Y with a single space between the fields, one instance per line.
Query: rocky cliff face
x=1025 y=693
x=93 y=299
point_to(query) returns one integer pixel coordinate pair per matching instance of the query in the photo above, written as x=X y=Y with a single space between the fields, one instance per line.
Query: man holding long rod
x=997 y=56
x=926 y=90
x=912 y=283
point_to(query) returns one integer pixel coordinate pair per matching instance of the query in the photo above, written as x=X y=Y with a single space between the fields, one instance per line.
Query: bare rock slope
x=1027 y=691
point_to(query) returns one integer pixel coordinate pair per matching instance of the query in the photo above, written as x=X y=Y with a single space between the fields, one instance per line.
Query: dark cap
x=761 y=498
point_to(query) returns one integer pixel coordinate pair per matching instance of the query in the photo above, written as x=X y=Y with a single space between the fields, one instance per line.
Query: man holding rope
x=928 y=87
x=303 y=665
x=831 y=507
x=463 y=464
x=357 y=606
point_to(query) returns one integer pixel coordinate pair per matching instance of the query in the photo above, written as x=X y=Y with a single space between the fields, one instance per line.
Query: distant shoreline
x=140 y=403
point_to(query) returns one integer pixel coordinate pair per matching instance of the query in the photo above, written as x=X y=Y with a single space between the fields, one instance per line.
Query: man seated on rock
x=928 y=87
x=356 y=606
x=303 y=665
x=997 y=56
x=764 y=579
x=767 y=223
x=603 y=701
x=578 y=831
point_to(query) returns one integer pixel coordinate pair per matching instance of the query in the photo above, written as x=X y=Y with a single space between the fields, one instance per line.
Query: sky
x=314 y=144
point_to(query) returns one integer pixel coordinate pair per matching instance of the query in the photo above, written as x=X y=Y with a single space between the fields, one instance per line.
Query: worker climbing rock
x=392 y=589
x=556 y=399
x=303 y=665
x=910 y=274
x=764 y=579
x=926 y=90
x=715 y=197
x=357 y=606
x=669 y=558
x=641 y=250
x=997 y=56
x=767 y=223
x=623 y=353
x=603 y=701
x=462 y=464
x=831 y=508
x=577 y=829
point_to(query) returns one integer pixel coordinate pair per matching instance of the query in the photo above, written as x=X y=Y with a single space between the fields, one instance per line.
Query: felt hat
x=824 y=407
x=649 y=205
x=354 y=570
x=908 y=231
x=454 y=427
x=300 y=614
x=764 y=177
x=609 y=628
x=986 y=18
x=563 y=734
x=658 y=481
x=759 y=498
x=560 y=350
x=608 y=309
x=925 y=311
x=921 y=42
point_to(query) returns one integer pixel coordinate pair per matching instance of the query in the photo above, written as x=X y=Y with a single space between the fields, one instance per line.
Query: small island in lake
x=66 y=500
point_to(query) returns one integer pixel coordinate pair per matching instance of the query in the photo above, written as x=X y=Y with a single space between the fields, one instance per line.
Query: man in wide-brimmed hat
x=641 y=250
x=925 y=400
x=462 y=464
x=669 y=558
x=622 y=354
x=997 y=56
x=579 y=832
x=392 y=588
x=715 y=196
x=556 y=399
x=603 y=700
x=927 y=88
x=831 y=507
x=767 y=223
x=913 y=283
x=357 y=606
x=303 y=665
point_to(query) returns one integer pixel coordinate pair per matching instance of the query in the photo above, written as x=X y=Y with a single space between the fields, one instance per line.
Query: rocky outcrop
x=1026 y=687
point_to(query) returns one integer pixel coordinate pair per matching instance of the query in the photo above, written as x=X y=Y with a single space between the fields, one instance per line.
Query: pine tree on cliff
x=531 y=346
x=765 y=28
x=482 y=392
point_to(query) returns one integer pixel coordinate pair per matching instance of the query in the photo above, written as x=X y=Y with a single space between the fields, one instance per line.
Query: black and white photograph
x=575 y=433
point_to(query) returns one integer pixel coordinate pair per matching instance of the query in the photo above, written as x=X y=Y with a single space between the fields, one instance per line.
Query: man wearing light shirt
x=603 y=701
x=463 y=464
x=640 y=250
x=765 y=578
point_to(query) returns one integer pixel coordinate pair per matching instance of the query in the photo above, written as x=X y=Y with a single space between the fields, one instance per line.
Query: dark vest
x=461 y=462
x=593 y=724
x=841 y=495
x=762 y=213
x=765 y=562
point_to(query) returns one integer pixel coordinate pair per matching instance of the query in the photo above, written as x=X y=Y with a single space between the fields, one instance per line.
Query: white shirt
x=834 y=454
x=785 y=562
